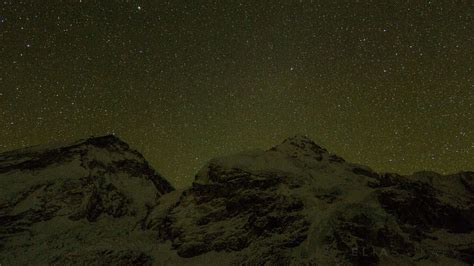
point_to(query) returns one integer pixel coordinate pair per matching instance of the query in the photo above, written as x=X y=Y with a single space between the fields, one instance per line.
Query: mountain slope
x=98 y=202
x=58 y=200
x=298 y=203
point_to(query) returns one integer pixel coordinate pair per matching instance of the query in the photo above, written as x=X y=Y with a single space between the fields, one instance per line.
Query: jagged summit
x=301 y=142
x=295 y=154
x=297 y=138
x=304 y=148
x=104 y=140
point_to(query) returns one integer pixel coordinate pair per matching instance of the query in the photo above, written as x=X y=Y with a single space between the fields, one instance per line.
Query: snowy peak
x=298 y=204
x=98 y=141
x=75 y=198
x=296 y=154
x=40 y=156
x=301 y=147
x=105 y=141
x=88 y=178
x=301 y=142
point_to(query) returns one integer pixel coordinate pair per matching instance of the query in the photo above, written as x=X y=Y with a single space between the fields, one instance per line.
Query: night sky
x=388 y=84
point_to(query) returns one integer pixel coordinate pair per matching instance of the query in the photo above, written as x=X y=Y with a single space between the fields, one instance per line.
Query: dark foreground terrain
x=97 y=201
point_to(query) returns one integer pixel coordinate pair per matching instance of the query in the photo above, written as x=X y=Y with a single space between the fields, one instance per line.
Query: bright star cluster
x=388 y=84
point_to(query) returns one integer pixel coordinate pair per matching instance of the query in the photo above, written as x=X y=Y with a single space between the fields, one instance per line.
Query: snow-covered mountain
x=98 y=202
x=74 y=202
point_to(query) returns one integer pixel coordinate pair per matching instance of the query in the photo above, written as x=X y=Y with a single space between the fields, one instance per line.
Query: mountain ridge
x=294 y=203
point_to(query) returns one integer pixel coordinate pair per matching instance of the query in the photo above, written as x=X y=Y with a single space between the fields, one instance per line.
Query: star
x=186 y=84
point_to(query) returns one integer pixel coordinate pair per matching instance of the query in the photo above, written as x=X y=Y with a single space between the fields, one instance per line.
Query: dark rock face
x=360 y=238
x=421 y=209
x=249 y=211
x=336 y=159
x=105 y=257
x=78 y=199
x=135 y=168
x=364 y=172
x=465 y=254
x=384 y=180
x=39 y=160
x=467 y=179
x=329 y=196
x=417 y=204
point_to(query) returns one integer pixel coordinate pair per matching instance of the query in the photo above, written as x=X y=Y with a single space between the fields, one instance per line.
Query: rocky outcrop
x=244 y=211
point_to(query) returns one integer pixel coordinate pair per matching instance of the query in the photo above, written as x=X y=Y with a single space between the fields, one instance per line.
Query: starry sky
x=388 y=84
